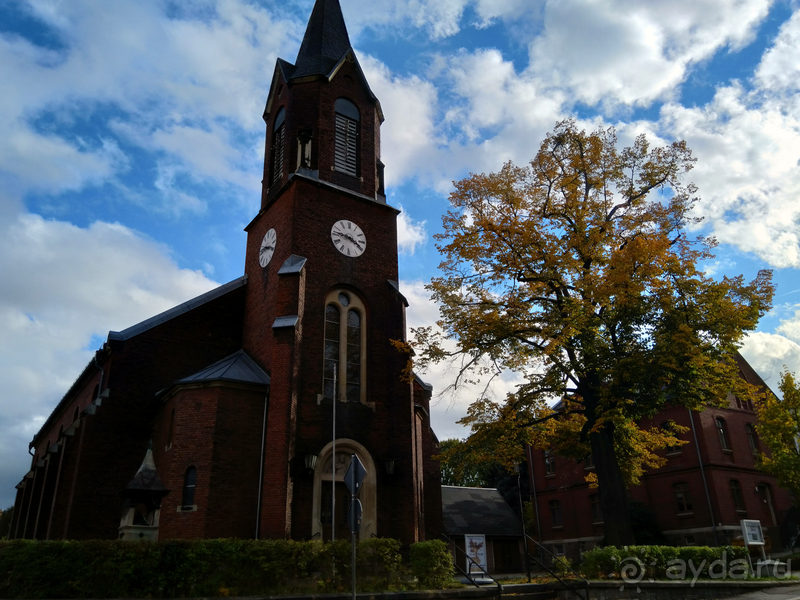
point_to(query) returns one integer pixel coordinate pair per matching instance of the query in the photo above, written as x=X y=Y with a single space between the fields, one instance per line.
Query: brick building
x=237 y=388
x=699 y=497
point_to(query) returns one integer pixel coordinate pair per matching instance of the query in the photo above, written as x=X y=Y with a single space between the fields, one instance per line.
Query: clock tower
x=322 y=306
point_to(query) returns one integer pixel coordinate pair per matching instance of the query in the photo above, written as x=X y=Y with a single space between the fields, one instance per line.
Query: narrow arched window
x=171 y=430
x=278 y=146
x=346 y=156
x=345 y=340
x=722 y=431
x=189 y=485
x=332 y=341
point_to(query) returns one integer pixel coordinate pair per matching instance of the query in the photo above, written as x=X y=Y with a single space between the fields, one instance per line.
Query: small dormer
x=142 y=502
x=323 y=121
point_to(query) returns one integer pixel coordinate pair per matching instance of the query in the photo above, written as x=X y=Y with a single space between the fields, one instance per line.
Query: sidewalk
x=789 y=592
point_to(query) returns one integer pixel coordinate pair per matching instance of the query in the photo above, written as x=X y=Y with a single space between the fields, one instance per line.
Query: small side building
x=473 y=512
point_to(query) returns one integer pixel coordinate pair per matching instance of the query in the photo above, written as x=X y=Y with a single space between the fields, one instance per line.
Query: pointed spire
x=325 y=42
x=146 y=477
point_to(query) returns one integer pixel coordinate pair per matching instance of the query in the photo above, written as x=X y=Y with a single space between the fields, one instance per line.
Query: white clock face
x=348 y=238
x=267 y=248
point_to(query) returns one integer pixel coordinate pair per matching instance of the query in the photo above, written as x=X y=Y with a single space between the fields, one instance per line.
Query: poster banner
x=476 y=550
x=752 y=533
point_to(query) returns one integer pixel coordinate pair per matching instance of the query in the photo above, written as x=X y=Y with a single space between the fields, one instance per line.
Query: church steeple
x=325 y=42
x=323 y=121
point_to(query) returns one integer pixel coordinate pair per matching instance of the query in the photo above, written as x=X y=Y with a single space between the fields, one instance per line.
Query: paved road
x=789 y=592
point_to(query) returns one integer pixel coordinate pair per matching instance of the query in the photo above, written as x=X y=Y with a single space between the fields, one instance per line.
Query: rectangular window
x=752 y=439
x=549 y=464
x=683 y=497
x=738 y=498
x=597 y=511
x=555 y=513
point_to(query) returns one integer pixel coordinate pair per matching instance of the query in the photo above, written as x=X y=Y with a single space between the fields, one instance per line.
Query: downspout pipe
x=261 y=466
x=703 y=475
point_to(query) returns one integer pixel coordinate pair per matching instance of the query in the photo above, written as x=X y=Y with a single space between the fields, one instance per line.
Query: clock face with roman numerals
x=348 y=238
x=267 y=248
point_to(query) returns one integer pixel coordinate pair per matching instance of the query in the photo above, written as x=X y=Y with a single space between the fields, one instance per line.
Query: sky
x=132 y=149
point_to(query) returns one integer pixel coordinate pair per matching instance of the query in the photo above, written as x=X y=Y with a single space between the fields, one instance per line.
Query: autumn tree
x=578 y=272
x=779 y=428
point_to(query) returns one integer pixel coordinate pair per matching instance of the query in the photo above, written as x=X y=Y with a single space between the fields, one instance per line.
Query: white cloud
x=410 y=234
x=747 y=171
x=632 y=53
x=769 y=354
x=780 y=66
x=408 y=137
x=449 y=405
x=63 y=287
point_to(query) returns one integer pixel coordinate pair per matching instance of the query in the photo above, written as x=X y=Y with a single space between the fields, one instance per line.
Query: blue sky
x=132 y=148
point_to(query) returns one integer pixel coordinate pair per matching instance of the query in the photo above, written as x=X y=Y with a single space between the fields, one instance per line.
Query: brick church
x=216 y=417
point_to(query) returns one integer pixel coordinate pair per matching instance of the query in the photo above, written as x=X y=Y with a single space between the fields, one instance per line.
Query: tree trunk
x=613 y=492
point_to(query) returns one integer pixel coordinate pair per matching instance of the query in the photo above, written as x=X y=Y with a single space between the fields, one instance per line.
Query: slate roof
x=236 y=367
x=325 y=42
x=477 y=510
x=178 y=310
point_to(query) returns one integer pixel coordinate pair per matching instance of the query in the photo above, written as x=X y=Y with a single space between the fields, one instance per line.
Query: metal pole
x=703 y=475
x=353 y=525
x=522 y=519
x=532 y=477
x=333 y=462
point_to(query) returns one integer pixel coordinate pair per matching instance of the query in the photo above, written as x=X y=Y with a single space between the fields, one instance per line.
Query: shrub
x=662 y=562
x=431 y=564
x=116 y=569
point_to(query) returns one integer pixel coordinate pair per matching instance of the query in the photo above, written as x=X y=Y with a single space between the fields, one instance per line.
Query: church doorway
x=332 y=498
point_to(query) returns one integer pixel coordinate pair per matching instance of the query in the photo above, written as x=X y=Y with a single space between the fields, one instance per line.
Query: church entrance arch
x=329 y=483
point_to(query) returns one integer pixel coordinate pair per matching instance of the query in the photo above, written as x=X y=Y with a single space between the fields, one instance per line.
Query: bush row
x=115 y=569
x=666 y=562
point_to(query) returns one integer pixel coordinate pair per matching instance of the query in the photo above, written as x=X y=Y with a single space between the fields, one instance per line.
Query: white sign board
x=475 y=546
x=752 y=533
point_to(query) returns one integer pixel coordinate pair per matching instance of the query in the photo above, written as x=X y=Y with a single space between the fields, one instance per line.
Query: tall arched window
x=189 y=485
x=346 y=143
x=278 y=145
x=345 y=347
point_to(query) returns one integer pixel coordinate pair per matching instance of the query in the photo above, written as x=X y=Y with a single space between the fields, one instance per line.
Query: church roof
x=175 y=311
x=237 y=367
x=325 y=42
x=477 y=510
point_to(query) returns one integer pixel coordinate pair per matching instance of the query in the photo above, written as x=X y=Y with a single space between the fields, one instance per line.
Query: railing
x=576 y=586
x=468 y=574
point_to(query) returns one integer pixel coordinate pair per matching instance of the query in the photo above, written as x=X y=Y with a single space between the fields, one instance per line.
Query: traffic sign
x=354 y=516
x=355 y=475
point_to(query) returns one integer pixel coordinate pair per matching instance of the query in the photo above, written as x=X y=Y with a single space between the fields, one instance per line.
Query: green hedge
x=666 y=562
x=431 y=564
x=115 y=569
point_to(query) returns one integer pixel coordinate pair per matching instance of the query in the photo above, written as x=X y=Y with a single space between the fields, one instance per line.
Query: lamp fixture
x=311 y=461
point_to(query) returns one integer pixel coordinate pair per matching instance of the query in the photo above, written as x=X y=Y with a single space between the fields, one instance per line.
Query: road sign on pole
x=354 y=516
x=355 y=475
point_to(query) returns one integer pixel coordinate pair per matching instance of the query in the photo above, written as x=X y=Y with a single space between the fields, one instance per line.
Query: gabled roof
x=478 y=511
x=237 y=367
x=325 y=42
x=176 y=311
